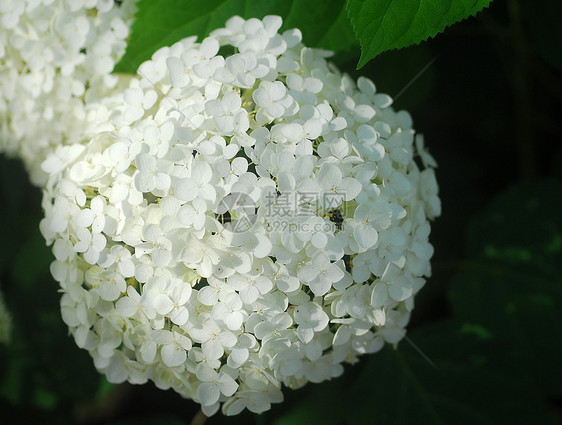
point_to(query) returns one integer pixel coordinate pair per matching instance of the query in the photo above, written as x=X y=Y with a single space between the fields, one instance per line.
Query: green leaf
x=162 y=22
x=382 y=25
x=512 y=286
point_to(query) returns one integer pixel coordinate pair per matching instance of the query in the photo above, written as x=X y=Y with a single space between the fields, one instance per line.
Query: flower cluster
x=240 y=222
x=56 y=57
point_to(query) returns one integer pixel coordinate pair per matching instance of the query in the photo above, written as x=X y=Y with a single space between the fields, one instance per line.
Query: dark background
x=484 y=340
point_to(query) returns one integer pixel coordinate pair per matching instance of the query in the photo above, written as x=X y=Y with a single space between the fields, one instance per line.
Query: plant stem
x=199 y=418
x=525 y=150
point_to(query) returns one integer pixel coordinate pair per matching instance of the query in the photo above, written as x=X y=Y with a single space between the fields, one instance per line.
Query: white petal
x=206 y=374
x=343 y=334
x=350 y=187
x=329 y=176
x=186 y=189
x=305 y=334
x=234 y=321
x=313 y=128
x=214 y=107
x=108 y=291
x=208 y=393
x=212 y=349
x=172 y=355
x=145 y=162
x=239 y=356
x=231 y=102
x=148 y=351
x=293 y=132
x=186 y=215
x=126 y=306
x=144 y=182
x=162 y=304
x=365 y=235
x=227 y=385
x=249 y=295
x=379 y=295
x=320 y=286
x=263 y=247
x=313 y=85
x=333 y=273
x=261 y=96
x=400 y=289
x=208 y=296
x=307 y=273
x=161 y=257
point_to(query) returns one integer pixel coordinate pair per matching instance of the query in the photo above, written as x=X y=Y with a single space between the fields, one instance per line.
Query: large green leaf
x=160 y=23
x=382 y=25
x=512 y=285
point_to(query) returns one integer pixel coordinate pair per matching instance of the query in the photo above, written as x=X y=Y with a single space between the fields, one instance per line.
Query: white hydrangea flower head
x=56 y=57
x=241 y=222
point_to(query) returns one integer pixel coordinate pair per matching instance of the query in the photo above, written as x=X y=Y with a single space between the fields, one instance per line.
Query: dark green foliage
x=512 y=284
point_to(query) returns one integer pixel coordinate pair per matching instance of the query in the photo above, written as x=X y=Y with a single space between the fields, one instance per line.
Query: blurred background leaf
x=512 y=283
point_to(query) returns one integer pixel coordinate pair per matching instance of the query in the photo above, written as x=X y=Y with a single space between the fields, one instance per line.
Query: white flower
x=213 y=339
x=193 y=215
x=138 y=102
x=229 y=311
x=320 y=274
x=213 y=384
x=339 y=188
x=250 y=286
x=246 y=68
x=174 y=346
x=364 y=233
x=310 y=319
x=91 y=244
x=273 y=327
x=198 y=184
x=272 y=99
x=152 y=173
x=392 y=284
x=228 y=114
x=131 y=304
